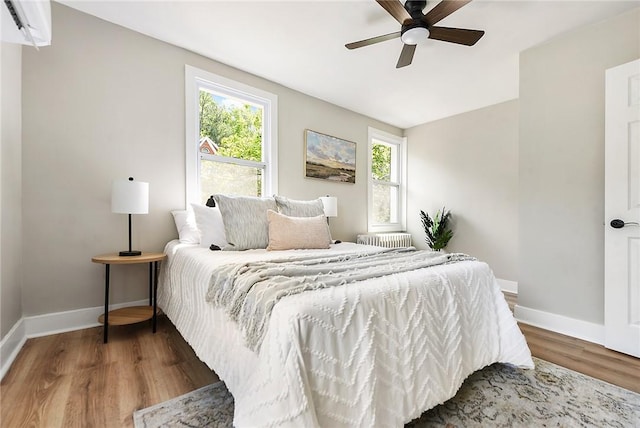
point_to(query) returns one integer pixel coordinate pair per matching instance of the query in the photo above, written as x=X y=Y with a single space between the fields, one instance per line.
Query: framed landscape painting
x=329 y=158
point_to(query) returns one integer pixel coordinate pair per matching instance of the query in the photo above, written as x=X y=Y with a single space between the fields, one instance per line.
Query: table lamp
x=130 y=197
x=330 y=204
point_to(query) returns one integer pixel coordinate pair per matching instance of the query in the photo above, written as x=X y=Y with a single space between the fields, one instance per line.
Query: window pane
x=230 y=127
x=384 y=161
x=227 y=178
x=381 y=162
x=385 y=204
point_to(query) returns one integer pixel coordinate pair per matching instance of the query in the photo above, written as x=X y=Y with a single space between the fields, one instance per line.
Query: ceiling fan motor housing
x=415 y=7
x=417 y=29
x=413 y=24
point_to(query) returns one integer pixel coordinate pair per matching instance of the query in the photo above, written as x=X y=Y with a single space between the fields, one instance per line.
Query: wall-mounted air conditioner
x=26 y=21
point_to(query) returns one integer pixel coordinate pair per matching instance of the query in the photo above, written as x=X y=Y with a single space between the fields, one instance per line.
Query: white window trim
x=194 y=75
x=401 y=142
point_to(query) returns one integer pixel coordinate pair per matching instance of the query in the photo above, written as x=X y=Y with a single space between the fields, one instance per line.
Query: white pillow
x=186 y=225
x=292 y=233
x=210 y=226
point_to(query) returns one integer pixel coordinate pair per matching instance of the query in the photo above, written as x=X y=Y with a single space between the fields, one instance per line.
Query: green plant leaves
x=437 y=230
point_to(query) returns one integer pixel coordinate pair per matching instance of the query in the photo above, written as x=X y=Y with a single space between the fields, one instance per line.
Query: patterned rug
x=496 y=396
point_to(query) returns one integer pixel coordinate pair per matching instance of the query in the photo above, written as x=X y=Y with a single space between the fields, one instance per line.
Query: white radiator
x=389 y=240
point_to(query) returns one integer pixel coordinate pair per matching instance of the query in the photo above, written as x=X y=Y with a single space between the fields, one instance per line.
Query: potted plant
x=437 y=230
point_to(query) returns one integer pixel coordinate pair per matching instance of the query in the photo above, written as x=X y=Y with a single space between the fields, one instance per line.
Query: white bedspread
x=374 y=353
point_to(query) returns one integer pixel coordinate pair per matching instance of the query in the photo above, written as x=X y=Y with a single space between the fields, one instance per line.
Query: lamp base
x=130 y=253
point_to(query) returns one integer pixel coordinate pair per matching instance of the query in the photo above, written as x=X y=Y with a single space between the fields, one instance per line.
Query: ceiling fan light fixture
x=414 y=35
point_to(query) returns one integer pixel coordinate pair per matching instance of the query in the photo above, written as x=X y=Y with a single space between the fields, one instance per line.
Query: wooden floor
x=74 y=380
x=584 y=357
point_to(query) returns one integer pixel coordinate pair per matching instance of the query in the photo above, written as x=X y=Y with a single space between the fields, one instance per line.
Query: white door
x=622 y=209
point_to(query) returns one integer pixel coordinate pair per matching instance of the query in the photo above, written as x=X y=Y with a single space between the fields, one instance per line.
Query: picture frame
x=329 y=158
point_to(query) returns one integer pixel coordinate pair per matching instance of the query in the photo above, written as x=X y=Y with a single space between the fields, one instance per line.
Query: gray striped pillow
x=245 y=221
x=294 y=208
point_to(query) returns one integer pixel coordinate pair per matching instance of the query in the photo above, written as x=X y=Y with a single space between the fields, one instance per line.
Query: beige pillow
x=290 y=233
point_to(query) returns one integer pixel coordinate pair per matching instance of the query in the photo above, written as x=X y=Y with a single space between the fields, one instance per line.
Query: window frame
x=401 y=184
x=195 y=79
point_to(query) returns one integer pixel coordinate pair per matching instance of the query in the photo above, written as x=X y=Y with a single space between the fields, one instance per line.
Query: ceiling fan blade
x=372 y=40
x=396 y=9
x=442 y=10
x=460 y=36
x=406 y=56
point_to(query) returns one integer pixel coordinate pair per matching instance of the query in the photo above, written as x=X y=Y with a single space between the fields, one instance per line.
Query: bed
x=376 y=352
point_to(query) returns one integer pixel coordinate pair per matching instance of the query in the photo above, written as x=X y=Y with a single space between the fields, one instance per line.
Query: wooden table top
x=115 y=259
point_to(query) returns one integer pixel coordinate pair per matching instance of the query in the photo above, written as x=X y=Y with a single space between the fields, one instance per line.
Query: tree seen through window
x=383 y=194
x=232 y=129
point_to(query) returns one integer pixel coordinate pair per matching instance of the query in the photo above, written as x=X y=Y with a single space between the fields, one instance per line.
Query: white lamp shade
x=330 y=206
x=130 y=197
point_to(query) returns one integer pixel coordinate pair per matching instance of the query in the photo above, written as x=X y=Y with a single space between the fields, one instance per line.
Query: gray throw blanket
x=249 y=291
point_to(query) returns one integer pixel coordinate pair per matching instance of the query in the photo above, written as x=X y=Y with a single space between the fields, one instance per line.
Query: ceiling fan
x=417 y=26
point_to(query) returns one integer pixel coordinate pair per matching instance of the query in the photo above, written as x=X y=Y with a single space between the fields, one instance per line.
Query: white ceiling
x=300 y=44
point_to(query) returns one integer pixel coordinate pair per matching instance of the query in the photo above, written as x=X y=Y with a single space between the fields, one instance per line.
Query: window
x=231 y=137
x=386 y=187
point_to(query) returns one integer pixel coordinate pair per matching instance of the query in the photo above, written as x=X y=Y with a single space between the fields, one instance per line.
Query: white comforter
x=374 y=353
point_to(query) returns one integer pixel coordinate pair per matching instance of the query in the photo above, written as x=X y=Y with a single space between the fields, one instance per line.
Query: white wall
x=469 y=163
x=104 y=102
x=11 y=187
x=561 y=163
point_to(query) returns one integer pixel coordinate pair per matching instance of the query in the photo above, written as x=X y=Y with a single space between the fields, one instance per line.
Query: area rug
x=496 y=396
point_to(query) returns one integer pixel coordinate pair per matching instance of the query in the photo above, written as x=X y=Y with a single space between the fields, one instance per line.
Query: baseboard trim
x=579 y=329
x=47 y=324
x=508 y=286
x=11 y=345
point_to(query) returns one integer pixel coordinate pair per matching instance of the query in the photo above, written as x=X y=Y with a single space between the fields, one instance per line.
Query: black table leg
x=106 y=304
x=155 y=295
x=150 y=282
